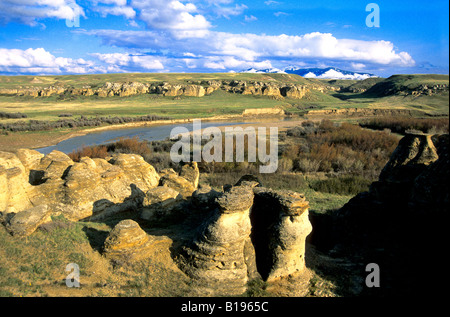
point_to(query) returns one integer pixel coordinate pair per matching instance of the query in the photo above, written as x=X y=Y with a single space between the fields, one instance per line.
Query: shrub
x=306 y=165
x=131 y=145
x=350 y=185
x=89 y=151
x=16 y=115
x=402 y=124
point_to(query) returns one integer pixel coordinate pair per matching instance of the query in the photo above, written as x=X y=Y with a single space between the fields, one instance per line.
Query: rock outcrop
x=216 y=259
x=280 y=227
x=127 y=243
x=91 y=188
x=252 y=232
x=359 y=112
x=160 y=203
x=400 y=223
x=25 y=222
x=238 y=234
x=263 y=112
x=276 y=90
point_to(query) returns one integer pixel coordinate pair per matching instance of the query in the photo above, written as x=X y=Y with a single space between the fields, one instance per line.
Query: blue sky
x=221 y=36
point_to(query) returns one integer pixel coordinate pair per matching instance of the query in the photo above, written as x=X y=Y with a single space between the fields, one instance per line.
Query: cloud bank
x=180 y=35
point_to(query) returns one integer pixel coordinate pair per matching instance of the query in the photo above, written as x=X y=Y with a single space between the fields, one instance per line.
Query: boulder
x=142 y=174
x=159 y=203
x=90 y=188
x=31 y=159
x=127 y=242
x=25 y=222
x=17 y=189
x=204 y=198
x=178 y=183
x=190 y=172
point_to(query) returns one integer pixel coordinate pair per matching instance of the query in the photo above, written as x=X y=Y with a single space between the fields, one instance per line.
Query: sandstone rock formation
x=359 y=112
x=25 y=222
x=280 y=227
x=238 y=234
x=91 y=188
x=276 y=90
x=216 y=258
x=252 y=232
x=263 y=112
x=159 y=203
x=185 y=183
x=127 y=242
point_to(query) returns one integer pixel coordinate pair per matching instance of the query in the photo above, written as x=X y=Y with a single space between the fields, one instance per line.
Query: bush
x=402 y=124
x=346 y=148
x=131 y=145
x=17 y=115
x=89 y=151
x=83 y=121
x=350 y=185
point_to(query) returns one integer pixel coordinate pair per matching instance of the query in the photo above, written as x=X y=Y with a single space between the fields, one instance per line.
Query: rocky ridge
x=190 y=89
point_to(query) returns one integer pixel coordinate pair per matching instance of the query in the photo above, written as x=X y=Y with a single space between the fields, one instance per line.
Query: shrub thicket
x=346 y=148
x=15 y=115
x=42 y=125
x=402 y=124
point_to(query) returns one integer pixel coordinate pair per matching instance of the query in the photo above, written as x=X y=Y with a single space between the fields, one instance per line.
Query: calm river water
x=152 y=133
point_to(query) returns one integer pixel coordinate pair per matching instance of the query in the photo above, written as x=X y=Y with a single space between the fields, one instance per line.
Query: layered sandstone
x=252 y=232
x=276 y=90
x=91 y=188
x=127 y=242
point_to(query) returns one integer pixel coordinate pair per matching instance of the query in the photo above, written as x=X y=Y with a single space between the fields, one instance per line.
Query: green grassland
x=219 y=102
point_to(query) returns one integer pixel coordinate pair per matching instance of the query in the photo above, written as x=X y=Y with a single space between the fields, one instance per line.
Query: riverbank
x=43 y=139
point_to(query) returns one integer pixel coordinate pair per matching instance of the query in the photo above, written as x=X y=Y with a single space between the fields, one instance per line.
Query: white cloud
x=126 y=11
x=256 y=48
x=250 y=18
x=232 y=62
x=40 y=61
x=226 y=12
x=183 y=20
x=280 y=13
x=357 y=66
x=311 y=45
x=333 y=74
x=29 y=11
x=130 y=61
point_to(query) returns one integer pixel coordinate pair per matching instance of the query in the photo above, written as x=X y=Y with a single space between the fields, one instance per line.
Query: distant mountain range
x=320 y=73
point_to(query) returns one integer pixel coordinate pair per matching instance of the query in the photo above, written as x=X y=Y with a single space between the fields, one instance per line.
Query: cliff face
x=276 y=90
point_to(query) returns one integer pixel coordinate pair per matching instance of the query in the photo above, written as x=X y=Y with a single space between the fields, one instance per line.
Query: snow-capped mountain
x=264 y=71
x=319 y=73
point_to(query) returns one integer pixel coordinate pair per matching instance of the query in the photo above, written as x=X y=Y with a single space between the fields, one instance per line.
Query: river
x=149 y=133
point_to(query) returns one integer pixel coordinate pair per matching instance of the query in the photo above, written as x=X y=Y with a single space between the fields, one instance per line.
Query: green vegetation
x=328 y=162
x=35 y=266
x=402 y=124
